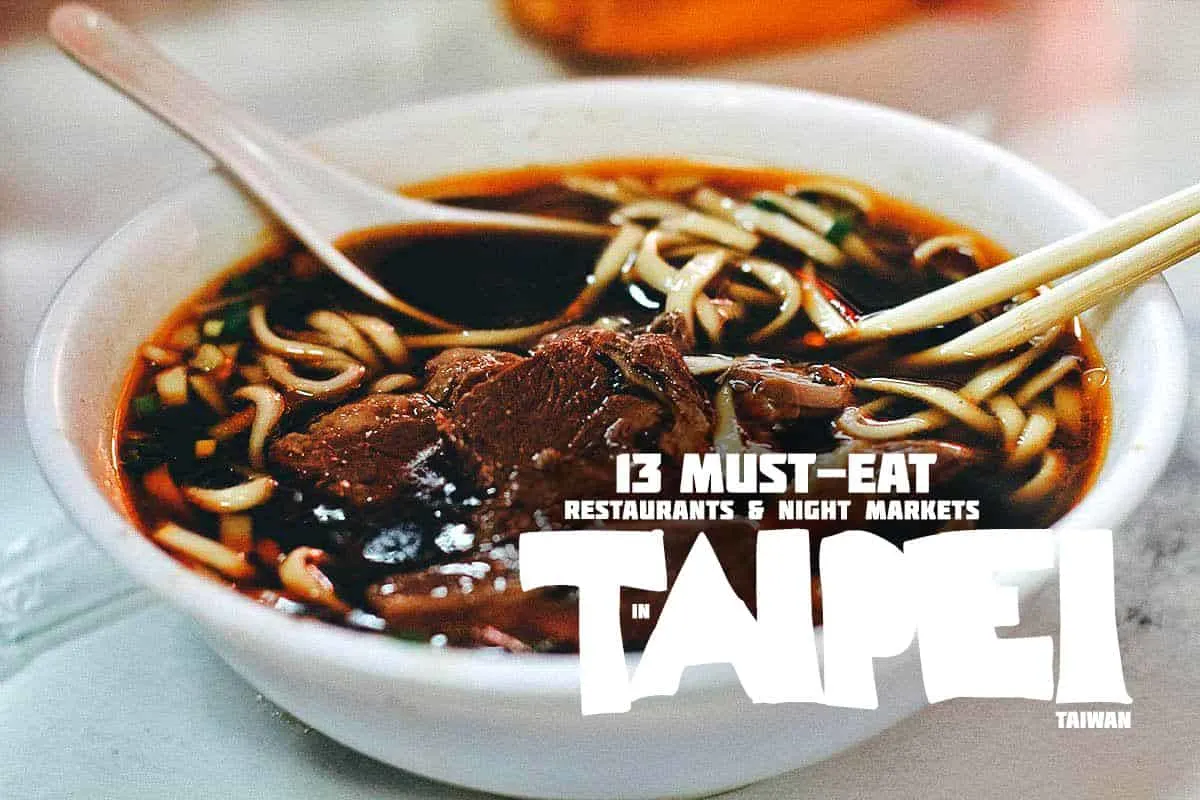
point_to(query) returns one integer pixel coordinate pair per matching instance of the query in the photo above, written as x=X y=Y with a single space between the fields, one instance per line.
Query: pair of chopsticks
x=1126 y=251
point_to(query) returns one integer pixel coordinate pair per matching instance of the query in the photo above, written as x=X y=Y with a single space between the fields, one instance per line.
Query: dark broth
x=501 y=281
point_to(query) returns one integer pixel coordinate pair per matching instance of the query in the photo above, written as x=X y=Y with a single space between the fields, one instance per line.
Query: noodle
x=1035 y=437
x=229 y=563
x=780 y=227
x=697 y=224
x=715 y=314
x=707 y=365
x=342 y=335
x=382 y=335
x=860 y=424
x=1068 y=405
x=1045 y=380
x=710 y=201
x=825 y=224
x=752 y=295
x=689 y=281
x=649 y=266
x=1048 y=478
x=648 y=209
x=1011 y=417
x=982 y=386
x=990 y=380
x=396 y=382
x=351 y=375
x=272 y=343
x=727 y=437
x=785 y=285
x=842 y=191
x=931 y=247
x=947 y=401
x=268 y=410
x=301 y=575
x=242 y=497
x=824 y=314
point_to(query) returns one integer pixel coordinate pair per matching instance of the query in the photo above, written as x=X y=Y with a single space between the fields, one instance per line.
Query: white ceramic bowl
x=512 y=724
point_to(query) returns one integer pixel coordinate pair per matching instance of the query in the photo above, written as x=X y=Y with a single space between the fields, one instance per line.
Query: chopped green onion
x=146 y=404
x=237 y=321
x=842 y=225
x=232 y=325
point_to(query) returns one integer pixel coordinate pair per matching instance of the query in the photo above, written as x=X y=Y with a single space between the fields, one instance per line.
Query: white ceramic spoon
x=318 y=203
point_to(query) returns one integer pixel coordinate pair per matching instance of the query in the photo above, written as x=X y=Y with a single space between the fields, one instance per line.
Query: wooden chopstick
x=1028 y=271
x=1074 y=295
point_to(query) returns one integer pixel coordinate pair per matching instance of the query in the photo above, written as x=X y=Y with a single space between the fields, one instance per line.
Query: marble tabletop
x=107 y=692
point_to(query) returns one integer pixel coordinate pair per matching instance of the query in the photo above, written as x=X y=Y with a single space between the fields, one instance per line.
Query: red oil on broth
x=329 y=457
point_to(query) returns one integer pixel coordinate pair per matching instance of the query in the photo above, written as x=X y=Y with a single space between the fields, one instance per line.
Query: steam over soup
x=330 y=457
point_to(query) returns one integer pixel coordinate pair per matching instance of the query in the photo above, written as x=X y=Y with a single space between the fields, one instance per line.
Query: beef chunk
x=568 y=331
x=476 y=600
x=676 y=326
x=655 y=364
x=735 y=544
x=584 y=396
x=367 y=453
x=771 y=392
x=547 y=428
x=531 y=497
x=454 y=372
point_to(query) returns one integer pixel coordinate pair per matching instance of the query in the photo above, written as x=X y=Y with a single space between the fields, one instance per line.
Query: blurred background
x=106 y=693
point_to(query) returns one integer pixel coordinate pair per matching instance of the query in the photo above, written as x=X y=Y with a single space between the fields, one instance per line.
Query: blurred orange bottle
x=697 y=29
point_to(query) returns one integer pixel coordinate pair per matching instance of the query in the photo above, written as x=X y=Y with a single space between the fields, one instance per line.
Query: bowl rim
x=218 y=608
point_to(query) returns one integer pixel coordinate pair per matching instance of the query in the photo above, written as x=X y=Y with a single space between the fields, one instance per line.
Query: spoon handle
x=279 y=172
x=315 y=201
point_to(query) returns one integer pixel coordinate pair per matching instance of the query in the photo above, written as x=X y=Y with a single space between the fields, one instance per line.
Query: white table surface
x=106 y=692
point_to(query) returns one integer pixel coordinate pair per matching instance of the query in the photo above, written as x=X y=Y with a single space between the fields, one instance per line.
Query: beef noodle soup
x=332 y=458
